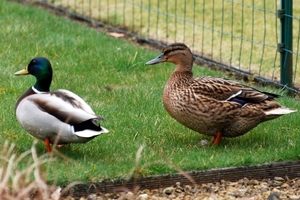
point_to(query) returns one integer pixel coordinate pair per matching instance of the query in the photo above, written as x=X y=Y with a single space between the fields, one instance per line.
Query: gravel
x=244 y=189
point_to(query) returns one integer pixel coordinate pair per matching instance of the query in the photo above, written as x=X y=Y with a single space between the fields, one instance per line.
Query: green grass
x=85 y=61
x=242 y=33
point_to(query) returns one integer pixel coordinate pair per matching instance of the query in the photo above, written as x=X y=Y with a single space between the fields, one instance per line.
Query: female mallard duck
x=213 y=106
x=57 y=117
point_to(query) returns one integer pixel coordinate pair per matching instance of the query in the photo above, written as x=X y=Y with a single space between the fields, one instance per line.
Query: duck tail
x=90 y=133
x=279 y=111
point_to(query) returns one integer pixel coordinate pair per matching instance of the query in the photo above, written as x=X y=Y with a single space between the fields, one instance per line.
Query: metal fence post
x=285 y=47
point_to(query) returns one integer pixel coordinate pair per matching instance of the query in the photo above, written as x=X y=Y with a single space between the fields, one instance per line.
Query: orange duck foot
x=217 y=138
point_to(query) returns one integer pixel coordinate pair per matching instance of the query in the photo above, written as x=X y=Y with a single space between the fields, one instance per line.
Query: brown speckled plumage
x=212 y=105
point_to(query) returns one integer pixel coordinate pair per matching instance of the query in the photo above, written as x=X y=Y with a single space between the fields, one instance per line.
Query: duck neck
x=43 y=85
x=179 y=79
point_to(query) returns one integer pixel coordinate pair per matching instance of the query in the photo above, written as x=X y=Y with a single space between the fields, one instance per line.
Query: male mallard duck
x=57 y=117
x=213 y=106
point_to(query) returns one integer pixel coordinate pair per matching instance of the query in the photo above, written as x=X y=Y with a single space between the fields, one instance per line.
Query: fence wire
x=239 y=35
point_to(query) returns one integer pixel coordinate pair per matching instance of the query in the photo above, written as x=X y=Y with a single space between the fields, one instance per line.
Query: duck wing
x=64 y=105
x=227 y=90
x=73 y=99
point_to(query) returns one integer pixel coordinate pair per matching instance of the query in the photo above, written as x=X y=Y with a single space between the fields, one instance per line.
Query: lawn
x=111 y=75
x=243 y=34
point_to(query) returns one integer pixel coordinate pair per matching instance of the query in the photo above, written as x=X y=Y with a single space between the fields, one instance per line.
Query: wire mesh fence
x=239 y=35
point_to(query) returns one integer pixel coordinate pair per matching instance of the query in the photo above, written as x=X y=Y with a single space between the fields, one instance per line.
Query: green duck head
x=41 y=68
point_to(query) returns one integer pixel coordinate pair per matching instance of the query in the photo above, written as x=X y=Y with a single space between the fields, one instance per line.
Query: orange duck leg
x=217 y=138
x=47 y=143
